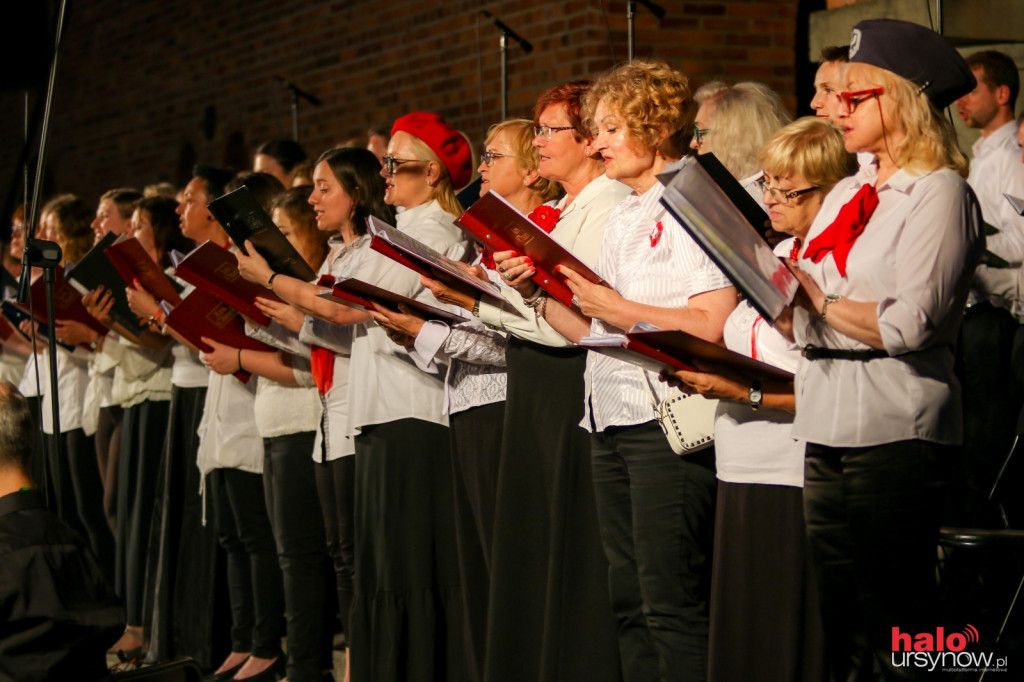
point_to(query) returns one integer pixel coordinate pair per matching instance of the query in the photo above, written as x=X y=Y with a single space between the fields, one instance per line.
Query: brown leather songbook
x=358 y=294
x=214 y=270
x=200 y=314
x=132 y=261
x=67 y=304
x=499 y=226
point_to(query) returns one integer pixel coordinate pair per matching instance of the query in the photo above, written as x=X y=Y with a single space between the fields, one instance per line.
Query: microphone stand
x=657 y=10
x=297 y=92
x=506 y=32
x=46 y=255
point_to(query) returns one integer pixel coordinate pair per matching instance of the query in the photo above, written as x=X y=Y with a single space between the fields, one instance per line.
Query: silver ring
x=575 y=301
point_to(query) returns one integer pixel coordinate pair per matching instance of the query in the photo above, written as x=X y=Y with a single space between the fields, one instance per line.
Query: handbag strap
x=650 y=389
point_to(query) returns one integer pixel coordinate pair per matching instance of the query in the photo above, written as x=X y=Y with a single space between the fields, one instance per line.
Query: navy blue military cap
x=916 y=53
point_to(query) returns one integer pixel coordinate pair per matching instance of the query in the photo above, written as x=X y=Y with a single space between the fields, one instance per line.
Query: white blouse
x=580 y=229
x=665 y=274
x=757 y=446
x=384 y=383
x=914 y=258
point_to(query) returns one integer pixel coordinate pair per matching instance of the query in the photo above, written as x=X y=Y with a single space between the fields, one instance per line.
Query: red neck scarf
x=839 y=237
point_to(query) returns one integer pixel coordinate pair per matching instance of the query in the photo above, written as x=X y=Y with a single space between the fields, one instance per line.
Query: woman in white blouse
x=476 y=381
x=406 y=604
x=759 y=519
x=655 y=508
x=885 y=272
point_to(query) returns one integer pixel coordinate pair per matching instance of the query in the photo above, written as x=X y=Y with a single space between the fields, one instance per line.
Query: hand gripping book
x=134 y=263
x=657 y=349
x=13 y=316
x=358 y=294
x=718 y=227
x=67 y=303
x=214 y=270
x=200 y=314
x=500 y=226
x=95 y=270
x=243 y=218
x=417 y=256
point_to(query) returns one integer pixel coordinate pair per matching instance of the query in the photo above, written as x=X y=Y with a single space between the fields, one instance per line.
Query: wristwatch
x=270 y=282
x=829 y=299
x=755 y=396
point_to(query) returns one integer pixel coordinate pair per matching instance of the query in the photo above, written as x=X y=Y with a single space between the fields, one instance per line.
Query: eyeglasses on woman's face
x=782 y=196
x=490 y=157
x=547 y=131
x=699 y=134
x=850 y=100
x=390 y=163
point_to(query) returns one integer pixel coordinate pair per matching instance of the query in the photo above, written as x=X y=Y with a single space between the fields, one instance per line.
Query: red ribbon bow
x=545 y=216
x=839 y=237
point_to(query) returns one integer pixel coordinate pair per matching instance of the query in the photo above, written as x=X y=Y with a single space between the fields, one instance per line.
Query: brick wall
x=138 y=79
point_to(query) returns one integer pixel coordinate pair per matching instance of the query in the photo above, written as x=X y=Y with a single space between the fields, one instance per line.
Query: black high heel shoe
x=227 y=674
x=274 y=672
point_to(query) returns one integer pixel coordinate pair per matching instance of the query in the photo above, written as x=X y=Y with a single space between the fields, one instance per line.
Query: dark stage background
x=146 y=89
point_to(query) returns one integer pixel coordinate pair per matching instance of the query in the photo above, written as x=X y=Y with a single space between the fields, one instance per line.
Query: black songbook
x=750 y=208
x=704 y=210
x=659 y=350
x=416 y=255
x=362 y=295
x=96 y=270
x=243 y=218
x=500 y=226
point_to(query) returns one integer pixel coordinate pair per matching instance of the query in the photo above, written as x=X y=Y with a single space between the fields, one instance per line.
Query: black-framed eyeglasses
x=489 y=157
x=699 y=134
x=850 y=100
x=391 y=162
x=783 y=196
x=547 y=131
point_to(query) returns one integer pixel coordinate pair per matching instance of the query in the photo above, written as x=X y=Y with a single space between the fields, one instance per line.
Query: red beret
x=443 y=140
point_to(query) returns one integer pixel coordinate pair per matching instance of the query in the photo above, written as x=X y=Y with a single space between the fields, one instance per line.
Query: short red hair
x=570 y=95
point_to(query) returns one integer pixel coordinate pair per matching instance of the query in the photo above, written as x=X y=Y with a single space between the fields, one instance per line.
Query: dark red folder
x=67 y=304
x=499 y=226
x=358 y=294
x=200 y=314
x=214 y=270
x=132 y=261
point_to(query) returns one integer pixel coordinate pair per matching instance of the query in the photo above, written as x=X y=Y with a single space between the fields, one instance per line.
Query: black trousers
x=82 y=494
x=656 y=512
x=143 y=433
x=108 y=445
x=289 y=487
x=254 y=576
x=336 y=487
x=873 y=516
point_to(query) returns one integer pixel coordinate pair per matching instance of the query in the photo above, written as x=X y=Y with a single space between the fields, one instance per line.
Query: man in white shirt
x=991 y=389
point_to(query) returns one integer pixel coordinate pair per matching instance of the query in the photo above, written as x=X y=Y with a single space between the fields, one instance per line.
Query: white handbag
x=687 y=420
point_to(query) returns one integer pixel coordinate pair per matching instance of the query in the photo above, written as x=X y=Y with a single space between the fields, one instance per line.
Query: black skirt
x=406 y=617
x=143 y=433
x=764 y=600
x=550 y=617
x=181 y=565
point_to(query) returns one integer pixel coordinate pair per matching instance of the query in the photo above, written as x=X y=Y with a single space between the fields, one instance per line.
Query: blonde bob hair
x=651 y=96
x=444 y=192
x=810 y=147
x=519 y=132
x=741 y=120
x=929 y=141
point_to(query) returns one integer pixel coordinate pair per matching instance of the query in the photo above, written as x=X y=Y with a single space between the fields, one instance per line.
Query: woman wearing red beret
x=406 y=618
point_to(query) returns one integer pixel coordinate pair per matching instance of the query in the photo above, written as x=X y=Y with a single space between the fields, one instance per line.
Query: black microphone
x=523 y=42
x=656 y=10
x=299 y=92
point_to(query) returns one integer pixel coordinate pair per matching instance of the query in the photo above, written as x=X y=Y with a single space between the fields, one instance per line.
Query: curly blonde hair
x=520 y=138
x=929 y=140
x=652 y=97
